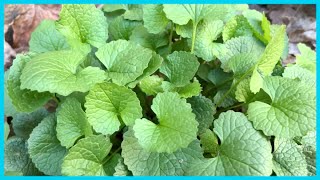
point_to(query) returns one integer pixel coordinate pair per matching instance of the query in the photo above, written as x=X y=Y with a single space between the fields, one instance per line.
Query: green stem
x=194 y=31
x=228 y=108
x=234 y=86
x=114 y=153
x=170 y=38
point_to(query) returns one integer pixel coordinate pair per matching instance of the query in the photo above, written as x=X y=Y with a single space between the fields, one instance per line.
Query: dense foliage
x=160 y=90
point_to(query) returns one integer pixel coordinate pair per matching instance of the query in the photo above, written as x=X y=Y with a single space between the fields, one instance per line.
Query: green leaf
x=121 y=169
x=83 y=23
x=72 y=122
x=209 y=142
x=133 y=12
x=9 y=109
x=151 y=85
x=291 y=113
x=236 y=27
x=44 y=148
x=13 y=173
x=110 y=164
x=180 y=67
x=141 y=36
x=182 y=13
x=288 y=159
x=86 y=158
x=125 y=61
x=268 y=60
x=114 y=7
x=47 y=38
x=309 y=150
x=204 y=110
x=204 y=47
x=154 y=18
x=58 y=72
x=23 y=100
x=120 y=28
x=229 y=100
x=109 y=105
x=153 y=65
x=16 y=157
x=243 y=150
x=243 y=93
x=297 y=72
x=191 y=89
x=144 y=163
x=307 y=58
x=175 y=120
x=185 y=31
x=241 y=45
x=24 y=123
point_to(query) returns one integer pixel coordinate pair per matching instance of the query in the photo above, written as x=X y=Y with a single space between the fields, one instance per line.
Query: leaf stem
x=194 y=30
x=114 y=153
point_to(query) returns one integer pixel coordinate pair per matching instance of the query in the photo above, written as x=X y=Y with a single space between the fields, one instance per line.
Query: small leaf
x=72 y=122
x=120 y=28
x=180 y=67
x=154 y=18
x=151 y=85
x=175 y=120
x=87 y=157
x=141 y=36
x=307 y=58
x=109 y=105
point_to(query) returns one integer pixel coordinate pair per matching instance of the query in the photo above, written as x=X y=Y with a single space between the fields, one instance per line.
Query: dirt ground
x=21 y=20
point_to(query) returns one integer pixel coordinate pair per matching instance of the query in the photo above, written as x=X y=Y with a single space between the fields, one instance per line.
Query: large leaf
x=83 y=23
x=109 y=105
x=59 y=72
x=46 y=38
x=16 y=157
x=288 y=159
x=23 y=100
x=72 y=122
x=125 y=61
x=180 y=67
x=291 y=113
x=144 y=163
x=44 y=147
x=86 y=158
x=243 y=150
x=175 y=120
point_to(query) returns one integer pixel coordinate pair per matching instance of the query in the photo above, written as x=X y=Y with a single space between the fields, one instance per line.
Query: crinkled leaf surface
x=47 y=38
x=151 y=85
x=204 y=45
x=58 y=72
x=236 y=27
x=72 y=122
x=24 y=123
x=180 y=67
x=209 y=142
x=121 y=169
x=133 y=12
x=309 y=150
x=298 y=72
x=291 y=113
x=87 y=157
x=191 y=89
x=154 y=18
x=141 y=36
x=175 y=120
x=24 y=100
x=6 y=131
x=109 y=105
x=204 y=110
x=125 y=61
x=307 y=58
x=83 y=23
x=288 y=159
x=244 y=94
x=268 y=60
x=243 y=150
x=44 y=147
x=144 y=163
x=16 y=157
x=120 y=28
